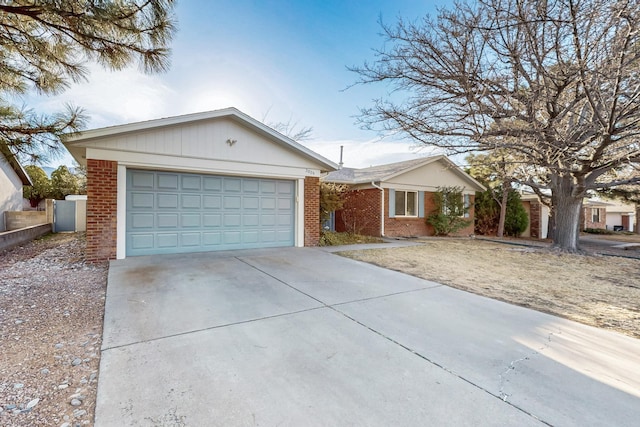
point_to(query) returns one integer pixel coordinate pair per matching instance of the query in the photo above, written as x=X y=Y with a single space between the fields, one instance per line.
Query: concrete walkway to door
x=300 y=336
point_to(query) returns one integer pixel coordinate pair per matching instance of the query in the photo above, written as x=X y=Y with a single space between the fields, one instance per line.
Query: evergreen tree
x=45 y=46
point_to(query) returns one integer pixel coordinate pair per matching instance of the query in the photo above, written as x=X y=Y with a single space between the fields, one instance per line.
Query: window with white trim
x=406 y=203
x=595 y=214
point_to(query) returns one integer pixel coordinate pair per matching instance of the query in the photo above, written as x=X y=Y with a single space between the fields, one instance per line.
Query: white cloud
x=117 y=97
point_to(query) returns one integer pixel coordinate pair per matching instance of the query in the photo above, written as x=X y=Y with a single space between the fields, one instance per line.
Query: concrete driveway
x=300 y=336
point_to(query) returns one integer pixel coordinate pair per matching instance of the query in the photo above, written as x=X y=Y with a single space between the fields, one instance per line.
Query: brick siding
x=311 y=211
x=587 y=218
x=102 y=191
x=535 y=220
x=360 y=213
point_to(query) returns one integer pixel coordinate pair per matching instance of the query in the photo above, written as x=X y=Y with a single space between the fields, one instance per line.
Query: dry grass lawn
x=595 y=290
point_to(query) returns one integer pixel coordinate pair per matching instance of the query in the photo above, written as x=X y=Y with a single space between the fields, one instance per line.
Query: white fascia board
x=198 y=165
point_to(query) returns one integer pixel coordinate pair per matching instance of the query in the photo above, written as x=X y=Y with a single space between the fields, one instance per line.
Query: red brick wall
x=535 y=217
x=587 y=217
x=311 y=211
x=360 y=213
x=102 y=191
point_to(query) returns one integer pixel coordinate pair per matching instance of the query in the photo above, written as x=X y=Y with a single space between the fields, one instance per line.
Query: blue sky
x=277 y=61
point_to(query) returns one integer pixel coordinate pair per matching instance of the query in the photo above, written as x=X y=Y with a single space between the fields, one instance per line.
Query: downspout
x=373 y=183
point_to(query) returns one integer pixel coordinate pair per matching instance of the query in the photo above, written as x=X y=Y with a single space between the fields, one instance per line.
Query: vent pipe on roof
x=341 y=151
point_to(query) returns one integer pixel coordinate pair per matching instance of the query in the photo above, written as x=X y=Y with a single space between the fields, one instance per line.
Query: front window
x=595 y=214
x=406 y=203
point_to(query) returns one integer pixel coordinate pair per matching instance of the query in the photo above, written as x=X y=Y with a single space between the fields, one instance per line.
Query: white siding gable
x=429 y=177
x=220 y=139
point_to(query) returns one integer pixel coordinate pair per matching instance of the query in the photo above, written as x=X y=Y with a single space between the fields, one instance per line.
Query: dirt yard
x=51 y=310
x=595 y=290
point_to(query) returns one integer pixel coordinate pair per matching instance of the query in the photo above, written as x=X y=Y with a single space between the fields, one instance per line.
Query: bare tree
x=45 y=45
x=556 y=82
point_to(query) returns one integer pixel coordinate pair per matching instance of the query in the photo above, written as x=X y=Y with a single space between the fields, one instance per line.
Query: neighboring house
x=594 y=214
x=12 y=178
x=620 y=216
x=208 y=181
x=538 y=214
x=394 y=200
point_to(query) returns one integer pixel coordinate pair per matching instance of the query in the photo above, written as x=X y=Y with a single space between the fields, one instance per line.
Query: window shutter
x=420 y=204
x=392 y=203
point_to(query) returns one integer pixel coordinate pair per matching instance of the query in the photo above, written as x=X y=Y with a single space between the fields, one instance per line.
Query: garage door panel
x=251 y=186
x=232 y=237
x=190 y=201
x=268 y=187
x=250 y=220
x=167 y=220
x=190 y=220
x=284 y=204
x=211 y=202
x=167 y=201
x=283 y=235
x=232 y=185
x=141 y=200
x=232 y=202
x=250 y=236
x=212 y=220
x=167 y=240
x=178 y=212
x=285 y=188
x=167 y=181
x=251 y=203
x=212 y=183
x=268 y=220
x=141 y=241
x=211 y=238
x=268 y=236
x=191 y=239
x=142 y=220
x=142 y=180
x=268 y=203
x=232 y=220
x=191 y=183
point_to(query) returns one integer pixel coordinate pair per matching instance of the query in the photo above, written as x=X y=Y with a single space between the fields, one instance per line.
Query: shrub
x=516 y=218
x=448 y=214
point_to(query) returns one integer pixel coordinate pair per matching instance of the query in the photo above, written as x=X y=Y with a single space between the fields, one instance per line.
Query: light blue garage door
x=170 y=212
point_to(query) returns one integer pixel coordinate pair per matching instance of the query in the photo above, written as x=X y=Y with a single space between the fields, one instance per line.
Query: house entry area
x=172 y=212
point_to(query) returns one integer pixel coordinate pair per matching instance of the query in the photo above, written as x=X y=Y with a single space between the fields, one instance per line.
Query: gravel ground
x=51 y=309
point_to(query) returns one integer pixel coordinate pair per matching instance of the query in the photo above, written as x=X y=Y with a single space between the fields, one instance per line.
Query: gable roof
x=74 y=142
x=15 y=165
x=391 y=170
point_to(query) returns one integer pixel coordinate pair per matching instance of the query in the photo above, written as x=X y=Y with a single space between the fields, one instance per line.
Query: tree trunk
x=566 y=221
x=503 y=208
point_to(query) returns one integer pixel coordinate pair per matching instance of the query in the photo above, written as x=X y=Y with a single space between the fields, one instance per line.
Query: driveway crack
x=513 y=365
